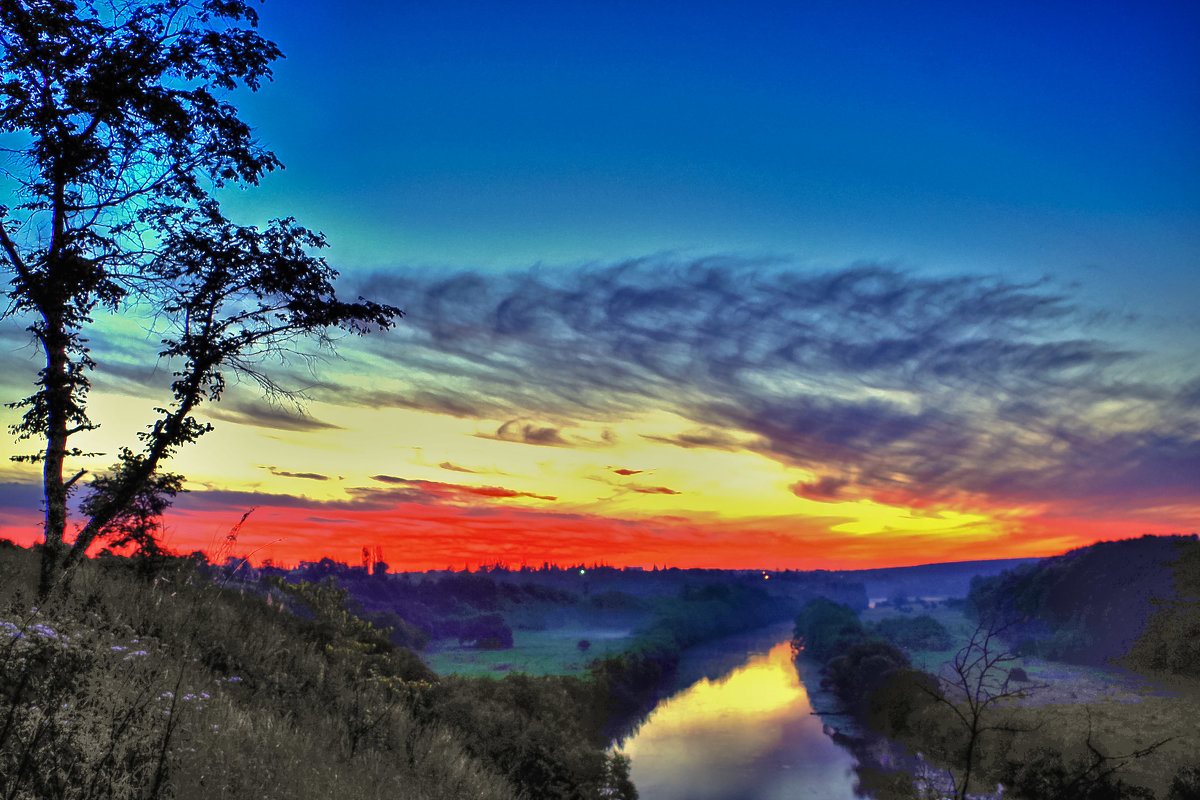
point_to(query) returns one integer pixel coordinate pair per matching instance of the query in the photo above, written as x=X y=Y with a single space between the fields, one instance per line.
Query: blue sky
x=809 y=284
x=1021 y=138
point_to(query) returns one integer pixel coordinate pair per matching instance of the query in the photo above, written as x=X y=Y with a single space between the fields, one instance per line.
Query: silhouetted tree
x=136 y=523
x=970 y=687
x=118 y=136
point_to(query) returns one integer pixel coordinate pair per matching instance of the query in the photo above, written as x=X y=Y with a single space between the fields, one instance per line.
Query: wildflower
x=119 y=648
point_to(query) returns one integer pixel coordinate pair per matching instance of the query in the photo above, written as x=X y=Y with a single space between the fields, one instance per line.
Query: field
x=929 y=660
x=545 y=652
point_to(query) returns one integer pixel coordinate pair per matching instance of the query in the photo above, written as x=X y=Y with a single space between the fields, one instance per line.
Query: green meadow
x=541 y=652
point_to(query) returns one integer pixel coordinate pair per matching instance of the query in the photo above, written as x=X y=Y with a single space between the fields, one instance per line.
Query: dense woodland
x=1137 y=600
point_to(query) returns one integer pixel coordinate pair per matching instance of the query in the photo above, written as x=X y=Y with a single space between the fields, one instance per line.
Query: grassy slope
x=125 y=682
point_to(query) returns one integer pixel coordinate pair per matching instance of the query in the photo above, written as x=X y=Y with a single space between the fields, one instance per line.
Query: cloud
x=824 y=488
x=456 y=491
x=455 y=467
x=627 y=472
x=936 y=385
x=653 y=490
x=700 y=439
x=438 y=400
x=264 y=415
x=311 y=476
x=21 y=495
x=522 y=432
x=436 y=535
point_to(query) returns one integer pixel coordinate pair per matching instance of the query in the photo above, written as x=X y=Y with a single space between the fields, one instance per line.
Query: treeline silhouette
x=1137 y=600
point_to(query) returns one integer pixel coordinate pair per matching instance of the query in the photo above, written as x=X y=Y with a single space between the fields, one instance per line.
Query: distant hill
x=949 y=579
x=1103 y=602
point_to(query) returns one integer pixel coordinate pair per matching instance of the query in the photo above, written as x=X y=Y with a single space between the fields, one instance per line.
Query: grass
x=545 y=652
x=959 y=627
x=1122 y=722
x=131 y=684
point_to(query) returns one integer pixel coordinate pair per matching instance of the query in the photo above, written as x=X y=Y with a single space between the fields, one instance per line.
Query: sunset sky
x=796 y=285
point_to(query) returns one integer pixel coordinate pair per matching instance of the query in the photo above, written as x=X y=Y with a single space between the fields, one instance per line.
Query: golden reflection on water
x=749 y=735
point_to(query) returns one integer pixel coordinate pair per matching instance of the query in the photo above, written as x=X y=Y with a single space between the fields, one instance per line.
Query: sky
x=803 y=285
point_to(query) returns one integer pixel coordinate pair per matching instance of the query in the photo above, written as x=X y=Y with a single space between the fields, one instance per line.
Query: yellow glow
x=871 y=517
x=766 y=686
x=707 y=483
x=753 y=728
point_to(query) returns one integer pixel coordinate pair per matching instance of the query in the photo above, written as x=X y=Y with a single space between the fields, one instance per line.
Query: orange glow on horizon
x=418 y=537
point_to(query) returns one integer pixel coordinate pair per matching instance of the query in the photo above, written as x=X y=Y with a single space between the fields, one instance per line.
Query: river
x=740 y=727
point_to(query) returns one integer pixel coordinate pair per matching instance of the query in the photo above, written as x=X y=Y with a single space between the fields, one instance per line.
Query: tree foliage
x=1171 y=640
x=856 y=674
x=914 y=633
x=1088 y=605
x=136 y=523
x=825 y=629
x=119 y=131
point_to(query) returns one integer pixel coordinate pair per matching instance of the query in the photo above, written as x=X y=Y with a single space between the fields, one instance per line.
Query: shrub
x=914 y=633
x=825 y=629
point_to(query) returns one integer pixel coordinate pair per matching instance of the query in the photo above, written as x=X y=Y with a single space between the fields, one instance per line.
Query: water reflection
x=747 y=736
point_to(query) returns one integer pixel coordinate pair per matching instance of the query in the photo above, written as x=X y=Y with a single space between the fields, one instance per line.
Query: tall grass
x=148 y=682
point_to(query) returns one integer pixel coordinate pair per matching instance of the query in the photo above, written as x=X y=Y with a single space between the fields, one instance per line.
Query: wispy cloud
x=876 y=378
x=437 y=490
x=265 y=415
x=280 y=473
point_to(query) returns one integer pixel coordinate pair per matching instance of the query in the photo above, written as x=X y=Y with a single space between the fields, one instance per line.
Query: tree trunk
x=966 y=781
x=56 y=388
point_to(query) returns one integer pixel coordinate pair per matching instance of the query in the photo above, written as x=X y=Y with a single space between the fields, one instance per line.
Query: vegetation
x=151 y=680
x=825 y=629
x=913 y=633
x=1170 y=640
x=979 y=720
x=855 y=662
x=1093 y=604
